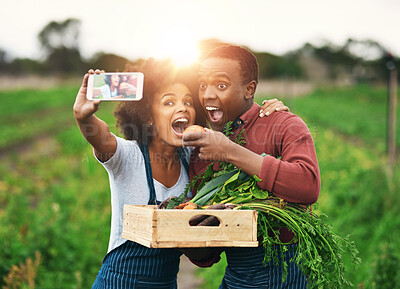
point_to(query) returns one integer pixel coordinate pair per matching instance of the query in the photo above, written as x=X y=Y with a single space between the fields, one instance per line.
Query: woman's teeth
x=182 y=119
x=180 y=125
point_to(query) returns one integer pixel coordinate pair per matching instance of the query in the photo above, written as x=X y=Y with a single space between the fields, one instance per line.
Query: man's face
x=221 y=92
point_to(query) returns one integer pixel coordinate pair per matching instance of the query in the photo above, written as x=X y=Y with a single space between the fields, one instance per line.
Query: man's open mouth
x=179 y=125
x=214 y=113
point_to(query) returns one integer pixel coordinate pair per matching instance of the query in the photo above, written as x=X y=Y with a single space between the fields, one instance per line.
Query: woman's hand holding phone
x=84 y=108
x=94 y=130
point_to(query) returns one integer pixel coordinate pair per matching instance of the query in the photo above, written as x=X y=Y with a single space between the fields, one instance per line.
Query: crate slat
x=155 y=228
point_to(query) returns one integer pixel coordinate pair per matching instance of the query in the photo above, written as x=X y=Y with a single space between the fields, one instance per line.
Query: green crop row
x=356 y=192
x=360 y=201
x=359 y=111
x=19 y=102
x=39 y=113
x=54 y=204
x=20 y=131
x=55 y=200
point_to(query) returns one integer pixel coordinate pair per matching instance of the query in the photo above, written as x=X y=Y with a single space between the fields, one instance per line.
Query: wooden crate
x=155 y=228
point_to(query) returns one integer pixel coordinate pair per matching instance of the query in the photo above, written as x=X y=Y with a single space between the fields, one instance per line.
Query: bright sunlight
x=179 y=44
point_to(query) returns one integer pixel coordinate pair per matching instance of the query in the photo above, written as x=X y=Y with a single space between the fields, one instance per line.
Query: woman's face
x=172 y=111
x=115 y=80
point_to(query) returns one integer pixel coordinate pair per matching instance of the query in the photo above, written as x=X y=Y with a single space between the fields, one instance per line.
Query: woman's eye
x=168 y=103
x=188 y=103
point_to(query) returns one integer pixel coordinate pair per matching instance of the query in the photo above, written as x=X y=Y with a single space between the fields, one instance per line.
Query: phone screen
x=115 y=86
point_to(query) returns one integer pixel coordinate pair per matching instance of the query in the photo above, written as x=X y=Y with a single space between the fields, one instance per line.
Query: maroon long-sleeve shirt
x=294 y=176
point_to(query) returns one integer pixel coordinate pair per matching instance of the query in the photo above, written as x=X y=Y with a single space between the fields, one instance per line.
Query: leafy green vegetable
x=173 y=202
x=319 y=251
x=213 y=184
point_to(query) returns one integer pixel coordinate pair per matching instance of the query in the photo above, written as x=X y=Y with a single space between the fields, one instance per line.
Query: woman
x=144 y=168
x=110 y=89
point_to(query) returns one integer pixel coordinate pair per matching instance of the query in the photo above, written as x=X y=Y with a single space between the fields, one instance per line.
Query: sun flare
x=180 y=45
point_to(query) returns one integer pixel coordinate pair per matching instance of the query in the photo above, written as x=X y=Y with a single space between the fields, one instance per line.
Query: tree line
x=354 y=61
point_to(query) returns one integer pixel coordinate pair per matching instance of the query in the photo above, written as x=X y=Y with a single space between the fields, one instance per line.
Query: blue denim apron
x=132 y=265
x=246 y=270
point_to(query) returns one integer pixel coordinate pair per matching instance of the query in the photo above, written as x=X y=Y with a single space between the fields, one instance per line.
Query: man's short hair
x=247 y=60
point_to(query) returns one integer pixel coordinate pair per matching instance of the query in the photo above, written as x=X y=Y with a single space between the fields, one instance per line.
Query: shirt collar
x=255 y=108
x=238 y=122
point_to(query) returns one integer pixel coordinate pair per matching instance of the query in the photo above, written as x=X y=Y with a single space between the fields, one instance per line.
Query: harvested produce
x=319 y=251
x=186 y=206
x=194 y=128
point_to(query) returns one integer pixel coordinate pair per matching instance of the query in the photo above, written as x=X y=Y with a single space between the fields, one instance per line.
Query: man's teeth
x=212 y=108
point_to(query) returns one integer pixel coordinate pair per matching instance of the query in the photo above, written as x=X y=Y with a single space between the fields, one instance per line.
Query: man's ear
x=250 y=89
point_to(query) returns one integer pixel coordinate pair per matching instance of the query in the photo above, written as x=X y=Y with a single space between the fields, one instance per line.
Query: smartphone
x=115 y=86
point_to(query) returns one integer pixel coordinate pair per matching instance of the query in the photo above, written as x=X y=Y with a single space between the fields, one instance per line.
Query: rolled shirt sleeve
x=295 y=176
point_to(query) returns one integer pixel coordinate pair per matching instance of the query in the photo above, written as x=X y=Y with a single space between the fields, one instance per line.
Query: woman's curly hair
x=133 y=117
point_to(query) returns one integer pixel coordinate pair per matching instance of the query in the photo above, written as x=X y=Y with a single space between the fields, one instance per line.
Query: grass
x=55 y=200
x=359 y=111
x=19 y=102
x=64 y=216
x=356 y=193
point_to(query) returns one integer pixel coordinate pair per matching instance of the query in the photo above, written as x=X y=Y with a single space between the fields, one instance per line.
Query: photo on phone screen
x=115 y=86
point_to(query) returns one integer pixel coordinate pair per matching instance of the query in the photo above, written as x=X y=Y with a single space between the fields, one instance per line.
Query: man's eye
x=222 y=86
x=202 y=85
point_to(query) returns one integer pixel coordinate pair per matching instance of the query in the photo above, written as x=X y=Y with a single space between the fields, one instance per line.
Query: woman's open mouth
x=179 y=125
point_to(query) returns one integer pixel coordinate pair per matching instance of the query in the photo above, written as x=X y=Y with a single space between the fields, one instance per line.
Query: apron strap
x=182 y=156
x=149 y=174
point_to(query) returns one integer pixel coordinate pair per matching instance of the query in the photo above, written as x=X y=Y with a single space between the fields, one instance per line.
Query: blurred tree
x=56 y=35
x=109 y=62
x=3 y=62
x=25 y=66
x=270 y=66
x=60 y=42
x=274 y=66
x=354 y=61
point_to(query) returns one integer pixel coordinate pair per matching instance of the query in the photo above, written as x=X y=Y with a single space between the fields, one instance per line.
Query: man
x=228 y=78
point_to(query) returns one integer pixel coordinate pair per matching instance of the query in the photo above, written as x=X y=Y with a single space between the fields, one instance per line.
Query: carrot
x=186 y=206
x=181 y=206
x=190 y=206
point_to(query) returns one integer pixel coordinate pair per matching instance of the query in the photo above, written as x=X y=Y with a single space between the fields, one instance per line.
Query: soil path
x=187 y=278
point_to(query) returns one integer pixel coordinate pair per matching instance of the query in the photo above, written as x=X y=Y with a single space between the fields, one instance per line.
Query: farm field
x=55 y=202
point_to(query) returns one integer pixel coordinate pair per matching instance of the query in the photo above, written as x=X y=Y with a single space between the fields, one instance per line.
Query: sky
x=161 y=28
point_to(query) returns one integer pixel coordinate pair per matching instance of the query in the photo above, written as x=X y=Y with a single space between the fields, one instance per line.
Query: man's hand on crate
x=200 y=254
